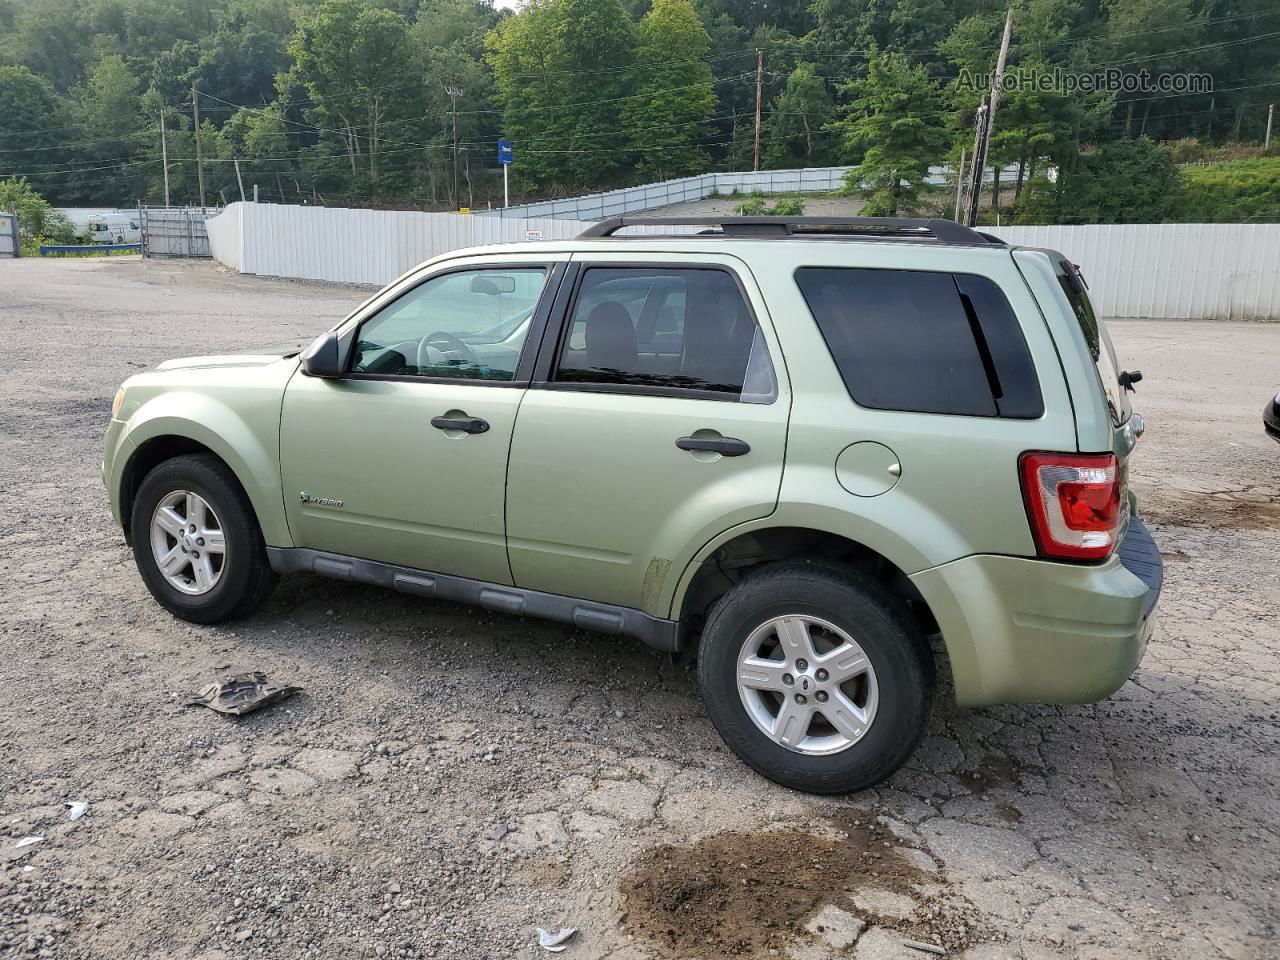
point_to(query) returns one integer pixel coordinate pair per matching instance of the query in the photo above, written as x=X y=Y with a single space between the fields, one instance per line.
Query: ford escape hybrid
x=804 y=446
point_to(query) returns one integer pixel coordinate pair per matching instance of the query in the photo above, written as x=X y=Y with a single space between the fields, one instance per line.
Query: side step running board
x=586 y=614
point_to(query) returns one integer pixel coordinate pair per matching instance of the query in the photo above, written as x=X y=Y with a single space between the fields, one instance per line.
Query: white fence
x=356 y=246
x=1194 y=271
x=1187 y=271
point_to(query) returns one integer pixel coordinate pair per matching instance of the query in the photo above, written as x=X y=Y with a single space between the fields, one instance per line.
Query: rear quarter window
x=923 y=341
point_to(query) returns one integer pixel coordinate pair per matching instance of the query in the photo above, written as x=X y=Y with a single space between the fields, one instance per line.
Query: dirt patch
x=735 y=895
x=1008 y=813
x=1249 y=508
x=996 y=771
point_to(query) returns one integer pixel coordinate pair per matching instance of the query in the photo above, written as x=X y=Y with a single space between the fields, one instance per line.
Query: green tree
x=562 y=69
x=115 y=130
x=51 y=38
x=797 y=120
x=34 y=127
x=893 y=131
x=450 y=39
x=36 y=219
x=674 y=97
x=343 y=53
x=1125 y=181
x=1143 y=35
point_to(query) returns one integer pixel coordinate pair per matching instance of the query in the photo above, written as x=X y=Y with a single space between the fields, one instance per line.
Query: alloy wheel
x=807 y=684
x=188 y=543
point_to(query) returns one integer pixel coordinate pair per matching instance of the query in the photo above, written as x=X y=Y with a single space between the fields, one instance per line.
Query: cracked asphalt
x=450 y=780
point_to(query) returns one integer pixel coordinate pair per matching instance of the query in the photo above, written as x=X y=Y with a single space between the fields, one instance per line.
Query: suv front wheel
x=197 y=543
x=816 y=677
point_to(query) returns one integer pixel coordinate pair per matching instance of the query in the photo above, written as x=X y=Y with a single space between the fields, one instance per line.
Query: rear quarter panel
x=959 y=492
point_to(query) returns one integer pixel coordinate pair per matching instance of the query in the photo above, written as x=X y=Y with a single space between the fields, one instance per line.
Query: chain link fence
x=176 y=231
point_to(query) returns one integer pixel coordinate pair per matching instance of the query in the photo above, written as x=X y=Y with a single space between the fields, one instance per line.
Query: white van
x=114 y=228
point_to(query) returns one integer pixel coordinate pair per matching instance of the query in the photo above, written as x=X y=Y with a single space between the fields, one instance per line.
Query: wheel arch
x=722 y=564
x=728 y=561
x=159 y=440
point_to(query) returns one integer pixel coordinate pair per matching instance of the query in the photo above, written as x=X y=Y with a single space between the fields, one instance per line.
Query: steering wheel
x=455 y=351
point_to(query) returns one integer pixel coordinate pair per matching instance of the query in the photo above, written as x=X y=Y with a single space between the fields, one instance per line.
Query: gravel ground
x=451 y=779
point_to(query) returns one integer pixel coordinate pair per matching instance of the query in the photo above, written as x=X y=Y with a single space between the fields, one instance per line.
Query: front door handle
x=465 y=424
x=725 y=446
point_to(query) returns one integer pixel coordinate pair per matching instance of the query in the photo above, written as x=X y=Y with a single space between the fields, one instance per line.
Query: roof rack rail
x=896 y=228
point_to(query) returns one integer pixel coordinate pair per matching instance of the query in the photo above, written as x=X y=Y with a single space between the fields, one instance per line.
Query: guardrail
x=652 y=196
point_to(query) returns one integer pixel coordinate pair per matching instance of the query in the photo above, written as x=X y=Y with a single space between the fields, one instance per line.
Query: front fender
x=246 y=437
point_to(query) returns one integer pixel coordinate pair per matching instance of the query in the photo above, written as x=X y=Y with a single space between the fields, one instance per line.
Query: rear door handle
x=725 y=446
x=465 y=424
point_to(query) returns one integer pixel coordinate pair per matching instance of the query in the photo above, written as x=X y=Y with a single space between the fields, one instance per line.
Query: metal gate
x=175 y=231
x=10 y=245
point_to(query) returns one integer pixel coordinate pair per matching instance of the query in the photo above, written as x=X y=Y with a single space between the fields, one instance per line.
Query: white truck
x=114 y=228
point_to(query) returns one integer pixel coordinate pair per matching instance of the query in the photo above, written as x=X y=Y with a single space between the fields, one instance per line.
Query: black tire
x=246 y=578
x=863 y=608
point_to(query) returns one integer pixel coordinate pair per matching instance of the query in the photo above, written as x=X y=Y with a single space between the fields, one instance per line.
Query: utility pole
x=239 y=179
x=164 y=158
x=454 y=93
x=975 y=168
x=987 y=118
x=759 y=82
x=959 y=184
x=1271 y=113
x=195 y=107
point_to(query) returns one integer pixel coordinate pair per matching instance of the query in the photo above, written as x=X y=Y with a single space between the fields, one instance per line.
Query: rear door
x=657 y=419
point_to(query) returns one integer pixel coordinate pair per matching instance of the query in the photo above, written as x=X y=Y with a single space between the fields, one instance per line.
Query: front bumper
x=1028 y=631
x=114 y=457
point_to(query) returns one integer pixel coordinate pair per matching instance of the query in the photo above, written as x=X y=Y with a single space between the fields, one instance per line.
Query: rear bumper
x=1026 y=631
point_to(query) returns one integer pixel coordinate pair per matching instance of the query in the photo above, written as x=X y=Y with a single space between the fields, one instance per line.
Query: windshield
x=1096 y=337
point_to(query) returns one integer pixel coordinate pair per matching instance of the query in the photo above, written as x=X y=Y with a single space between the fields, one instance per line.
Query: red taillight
x=1074 y=502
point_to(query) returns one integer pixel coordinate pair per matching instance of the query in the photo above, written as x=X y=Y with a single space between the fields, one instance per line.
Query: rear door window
x=1095 y=337
x=665 y=330
x=923 y=341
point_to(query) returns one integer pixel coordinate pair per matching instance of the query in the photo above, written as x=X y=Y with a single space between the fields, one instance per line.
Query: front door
x=655 y=422
x=404 y=460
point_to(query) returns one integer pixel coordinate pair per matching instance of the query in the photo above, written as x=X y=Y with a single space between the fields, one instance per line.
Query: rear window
x=1095 y=337
x=923 y=341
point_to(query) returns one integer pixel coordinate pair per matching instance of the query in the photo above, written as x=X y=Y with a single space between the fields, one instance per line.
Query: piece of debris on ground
x=241 y=694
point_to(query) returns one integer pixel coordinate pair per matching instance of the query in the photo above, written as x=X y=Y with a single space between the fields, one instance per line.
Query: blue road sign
x=506 y=152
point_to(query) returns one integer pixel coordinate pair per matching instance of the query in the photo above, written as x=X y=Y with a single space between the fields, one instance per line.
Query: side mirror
x=323 y=358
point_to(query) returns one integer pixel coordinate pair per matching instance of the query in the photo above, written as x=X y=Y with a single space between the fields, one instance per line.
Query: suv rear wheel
x=815 y=677
x=197 y=543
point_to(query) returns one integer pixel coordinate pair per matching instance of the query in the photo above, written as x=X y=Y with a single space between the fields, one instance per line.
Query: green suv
x=806 y=446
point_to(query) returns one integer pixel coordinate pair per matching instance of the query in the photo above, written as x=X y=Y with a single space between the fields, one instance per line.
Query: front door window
x=468 y=325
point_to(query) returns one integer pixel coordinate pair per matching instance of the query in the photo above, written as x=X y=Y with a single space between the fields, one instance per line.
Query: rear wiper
x=1128 y=378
